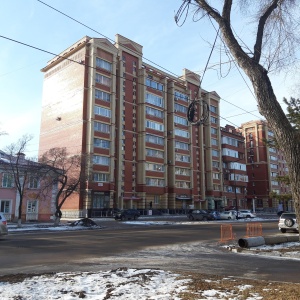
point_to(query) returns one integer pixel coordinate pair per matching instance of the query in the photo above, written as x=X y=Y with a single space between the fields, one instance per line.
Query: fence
x=254 y=229
x=226 y=233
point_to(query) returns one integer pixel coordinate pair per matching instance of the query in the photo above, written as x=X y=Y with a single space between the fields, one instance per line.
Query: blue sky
x=149 y=23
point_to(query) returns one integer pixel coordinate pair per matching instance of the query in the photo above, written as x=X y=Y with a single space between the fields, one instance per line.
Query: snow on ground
x=121 y=283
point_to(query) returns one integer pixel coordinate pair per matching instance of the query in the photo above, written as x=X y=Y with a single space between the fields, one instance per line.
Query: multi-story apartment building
x=103 y=101
x=234 y=168
x=264 y=164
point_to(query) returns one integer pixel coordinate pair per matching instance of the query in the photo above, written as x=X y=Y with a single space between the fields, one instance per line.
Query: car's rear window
x=285 y=216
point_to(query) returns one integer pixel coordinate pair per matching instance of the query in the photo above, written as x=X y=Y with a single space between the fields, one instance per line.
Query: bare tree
x=276 y=39
x=67 y=172
x=20 y=171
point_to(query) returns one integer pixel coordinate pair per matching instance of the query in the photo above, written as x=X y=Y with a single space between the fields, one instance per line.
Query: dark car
x=127 y=214
x=199 y=214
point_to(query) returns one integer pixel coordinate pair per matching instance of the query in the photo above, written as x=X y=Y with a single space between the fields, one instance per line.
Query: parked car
x=199 y=214
x=3 y=225
x=227 y=215
x=215 y=214
x=246 y=213
x=127 y=214
x=288 y=221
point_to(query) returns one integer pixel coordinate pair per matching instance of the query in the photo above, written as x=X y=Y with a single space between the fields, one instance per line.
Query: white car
x=246 y=213
x=227 y=215
x=3 y=225
x=288 y=222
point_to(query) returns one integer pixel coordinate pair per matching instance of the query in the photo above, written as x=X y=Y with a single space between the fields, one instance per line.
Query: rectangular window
x=154 y=112
x=181 y=96
x=101 y=160
x=101 y=177
x=230 y=141
x=180 y=108
x=154 y=125
x=214 y=142
x=213 y=120
x=154 y=153
x=183 y=184
x=215 y=164
x=216 y=175
x=32 y=206
x=213 y=109
x=216 y=187
x=103 y=64
x=229 y=152
x=101 y=143
x=103 y=79
x=213 y=130
x=102 y=95
x=182 y=133
x=215 y=153
x=155 y=100
x=5 y=206
x=154 y=139
x=155 y=167
x=155 y=182
x=101 y=111
x=102 y=127
x=34 y=182
x=182 y=158
x=154 y=84
x=100 y=200
x=180 y=120
x=182 y=171
x=181 y=145
x=7 y=180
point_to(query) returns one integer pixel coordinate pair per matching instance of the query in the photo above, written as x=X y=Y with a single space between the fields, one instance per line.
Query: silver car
x=288 y=221
x=3 y=225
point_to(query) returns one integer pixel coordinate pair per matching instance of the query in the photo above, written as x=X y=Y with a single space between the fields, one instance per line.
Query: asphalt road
x=118 y=244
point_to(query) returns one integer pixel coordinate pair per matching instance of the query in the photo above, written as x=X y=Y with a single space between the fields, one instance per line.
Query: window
x=154 y=112
x=180 y=120
x=181 y=145
x=101 y=143
x=216 y=187
x=154 y=153
x=32 y=206
x=103 y=64
x=180 y=108
x=182 y=184
x=100 y=200
x=155 y=100
x=215 y=153
x=5 y=206
x=229 y=152
x=183 y=158
x=230 y=141
x=273 y=166
x=103 y=79
x=213 y=109
x=154 y=125
x=101 y=111
x=154 y=84
x=34 y=182
x=214 y=142
x=181 y=96
x=216 y=175
x=182 y=171
x=182 y=133
x=155 y=181
x=214 y=120
x=154 y=139
x=237 y=166
x=215 y=164
x=101 y=177
x=7 y=180
x=101 y=160
x=102 y=95
x=272 y=157
x=213 y=130
x=155 y=167
x=102 y=127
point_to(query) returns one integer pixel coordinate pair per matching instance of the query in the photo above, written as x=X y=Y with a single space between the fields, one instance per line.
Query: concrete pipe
x=251 y=242
x=272 y=240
